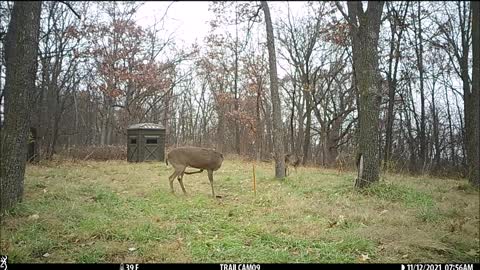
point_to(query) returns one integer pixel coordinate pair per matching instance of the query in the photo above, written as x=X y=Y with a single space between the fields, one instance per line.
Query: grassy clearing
x=123 y=212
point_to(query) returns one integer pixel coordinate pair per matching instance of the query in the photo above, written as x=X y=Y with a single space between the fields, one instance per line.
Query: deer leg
x=171 y=178
x=178 y=171
x=210 y=177
x=180 y=180
x=199 y=171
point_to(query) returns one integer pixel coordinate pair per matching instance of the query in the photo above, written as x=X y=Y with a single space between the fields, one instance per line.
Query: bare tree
x=276 y=108
x=59 y=74
x=474 y=175
x=419 y=43
x=300 y=40
x=21 y=62
x=456 y=36
x=364 y=31
x=396 y=18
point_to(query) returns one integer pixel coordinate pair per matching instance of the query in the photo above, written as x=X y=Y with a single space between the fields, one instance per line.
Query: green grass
x=123 y=212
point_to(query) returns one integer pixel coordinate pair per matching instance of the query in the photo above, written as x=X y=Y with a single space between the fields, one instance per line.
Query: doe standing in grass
x=196 y=157
x=291 y=160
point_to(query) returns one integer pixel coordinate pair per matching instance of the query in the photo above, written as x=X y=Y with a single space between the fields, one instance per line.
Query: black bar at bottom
x=250 y=266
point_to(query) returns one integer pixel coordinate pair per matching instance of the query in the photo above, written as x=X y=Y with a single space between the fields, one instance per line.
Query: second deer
x=291 y=160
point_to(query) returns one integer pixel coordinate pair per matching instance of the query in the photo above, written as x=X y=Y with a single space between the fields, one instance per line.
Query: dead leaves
x=338 y=222
x=363 y=258
x=457 y=225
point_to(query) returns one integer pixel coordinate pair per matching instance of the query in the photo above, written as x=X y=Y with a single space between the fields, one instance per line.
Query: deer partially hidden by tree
x=291 y=160
x=196 y=157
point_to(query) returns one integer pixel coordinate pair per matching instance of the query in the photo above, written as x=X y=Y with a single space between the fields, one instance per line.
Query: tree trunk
x=268 y=120
x=300 y=124
x=419 y=52
x=364 y=33
x=166 y=115
x=330 y=151
x=392 y=83
x=462 y=132
x=259 y=125
x=389 y=127
x=436 y=136
x=21 y=49
x=411 y=141
x=220 y=133
x=105 y=122
x=474 y=175
x=306 y=141
x=110 y=125
x=32 y=145
x=237 y=125
x=332 y=138
x=450 y=131
x=51 y=110
x=277 y=110
x=292 y=117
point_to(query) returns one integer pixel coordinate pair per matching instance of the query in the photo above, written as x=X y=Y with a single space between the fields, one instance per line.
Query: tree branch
x=340 y=8
x=71 y=8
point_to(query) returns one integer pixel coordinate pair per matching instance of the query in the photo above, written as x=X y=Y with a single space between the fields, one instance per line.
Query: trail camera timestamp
x=448 y=266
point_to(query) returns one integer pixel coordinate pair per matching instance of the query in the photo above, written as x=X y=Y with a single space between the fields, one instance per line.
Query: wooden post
x=254 y=181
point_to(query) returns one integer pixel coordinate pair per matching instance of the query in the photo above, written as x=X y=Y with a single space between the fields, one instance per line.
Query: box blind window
x=151 y=139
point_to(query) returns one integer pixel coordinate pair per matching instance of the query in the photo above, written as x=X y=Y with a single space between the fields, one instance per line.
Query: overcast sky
x=189 y=19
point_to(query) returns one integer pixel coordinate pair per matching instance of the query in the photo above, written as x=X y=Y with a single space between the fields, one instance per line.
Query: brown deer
x=196 y=157
x=291 y=160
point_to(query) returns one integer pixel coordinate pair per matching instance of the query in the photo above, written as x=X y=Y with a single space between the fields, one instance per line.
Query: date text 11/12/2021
x=439 y=266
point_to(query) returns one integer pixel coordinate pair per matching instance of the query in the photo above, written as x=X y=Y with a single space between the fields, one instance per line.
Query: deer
x=291 y=160
x=196 y=157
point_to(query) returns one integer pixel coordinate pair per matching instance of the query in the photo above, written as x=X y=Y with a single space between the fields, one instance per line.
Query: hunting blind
x=146 y=142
